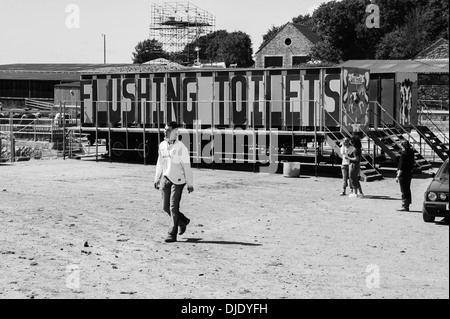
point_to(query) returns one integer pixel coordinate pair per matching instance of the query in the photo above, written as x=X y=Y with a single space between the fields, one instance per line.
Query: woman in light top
x=345 y=166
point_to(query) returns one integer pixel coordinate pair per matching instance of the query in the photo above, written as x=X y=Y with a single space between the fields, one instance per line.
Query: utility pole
x=104 y=48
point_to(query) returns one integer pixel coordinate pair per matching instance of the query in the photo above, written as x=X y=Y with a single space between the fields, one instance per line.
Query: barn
x=289 y=47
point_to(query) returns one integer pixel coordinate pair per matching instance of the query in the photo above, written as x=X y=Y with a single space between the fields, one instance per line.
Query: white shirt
x=345 y=151
x=174 y=163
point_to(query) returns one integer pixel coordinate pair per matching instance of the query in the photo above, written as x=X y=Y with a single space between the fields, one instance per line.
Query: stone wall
x=8 y=103
x=435 y=93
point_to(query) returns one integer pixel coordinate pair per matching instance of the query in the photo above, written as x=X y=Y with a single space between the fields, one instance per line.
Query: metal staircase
x=440 y=143
x=389 y=139
x=440 y=148
x=334 y=138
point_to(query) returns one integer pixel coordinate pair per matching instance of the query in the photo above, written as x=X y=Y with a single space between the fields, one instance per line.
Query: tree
x=435 y=19
x=407 y=27
x=236 y=48
x=405 y=41
x=342 y=26
x=148 y=50
x=324 y=51
x=305 y=20
x=221 y=46
x=209 y=45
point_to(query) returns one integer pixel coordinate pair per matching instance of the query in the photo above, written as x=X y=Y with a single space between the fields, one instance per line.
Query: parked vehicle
x=436 y=201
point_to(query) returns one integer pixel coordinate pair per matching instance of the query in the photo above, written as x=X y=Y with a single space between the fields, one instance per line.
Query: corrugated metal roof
x=39 y=76
x=68 y=85
x=136 y=68
x=48 y=72
x=399 y=66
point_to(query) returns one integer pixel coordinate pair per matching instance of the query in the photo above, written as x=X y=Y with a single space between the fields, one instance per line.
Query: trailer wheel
x=141 y=150
x=117 y=148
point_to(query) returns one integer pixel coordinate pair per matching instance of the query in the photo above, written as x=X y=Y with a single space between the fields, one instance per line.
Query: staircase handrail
x=441 y=102
x=427 y=114
x=399 y=125
x=38 y=104
x=347 y=133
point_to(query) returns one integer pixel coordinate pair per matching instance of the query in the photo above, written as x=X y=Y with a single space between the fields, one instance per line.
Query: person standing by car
x=404 y=174
x=173 y=173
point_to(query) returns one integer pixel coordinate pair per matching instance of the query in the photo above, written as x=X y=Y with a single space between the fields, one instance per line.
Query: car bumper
x=438 y=209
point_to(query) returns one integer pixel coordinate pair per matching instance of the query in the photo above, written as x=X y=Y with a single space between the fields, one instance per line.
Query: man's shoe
x=403 y=209
x=170 y=239
x=183 y=228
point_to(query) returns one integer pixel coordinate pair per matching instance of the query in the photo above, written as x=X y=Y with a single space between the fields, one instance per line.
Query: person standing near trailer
x=355 y=167
x=173 y=173
x=404 y=174
x=345 y=166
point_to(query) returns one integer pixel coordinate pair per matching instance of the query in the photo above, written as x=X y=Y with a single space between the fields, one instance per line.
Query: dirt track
x=251 y=236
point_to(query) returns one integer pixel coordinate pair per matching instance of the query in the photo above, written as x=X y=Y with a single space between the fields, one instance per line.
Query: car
x=436 y=197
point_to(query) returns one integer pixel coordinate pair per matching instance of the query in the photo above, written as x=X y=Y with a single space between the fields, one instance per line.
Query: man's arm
x=158 y=170
x=186 y=164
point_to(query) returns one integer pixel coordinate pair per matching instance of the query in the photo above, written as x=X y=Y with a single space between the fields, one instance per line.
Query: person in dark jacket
x=355 y=168
x=404 y=174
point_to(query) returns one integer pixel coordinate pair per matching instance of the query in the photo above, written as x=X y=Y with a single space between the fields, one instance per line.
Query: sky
x=71 y=31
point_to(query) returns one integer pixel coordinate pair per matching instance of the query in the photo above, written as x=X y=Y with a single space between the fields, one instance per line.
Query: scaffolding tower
x=176 y=24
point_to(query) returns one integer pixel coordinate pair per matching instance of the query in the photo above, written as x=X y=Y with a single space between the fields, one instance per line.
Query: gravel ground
x=86 y=229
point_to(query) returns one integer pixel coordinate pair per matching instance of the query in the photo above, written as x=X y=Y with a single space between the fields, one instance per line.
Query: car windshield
x=443 y=171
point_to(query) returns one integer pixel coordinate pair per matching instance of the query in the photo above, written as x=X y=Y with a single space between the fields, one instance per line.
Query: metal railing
x=435 y=104
x=365 y=151
x=425 y=111
x=39 y=104
x=414 y=143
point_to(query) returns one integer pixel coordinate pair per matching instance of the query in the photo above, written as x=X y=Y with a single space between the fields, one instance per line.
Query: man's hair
x=173 y=125
x=356 y=141
x=406 y=144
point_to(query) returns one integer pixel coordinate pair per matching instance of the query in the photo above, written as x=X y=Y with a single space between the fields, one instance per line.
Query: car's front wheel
x=427 y=218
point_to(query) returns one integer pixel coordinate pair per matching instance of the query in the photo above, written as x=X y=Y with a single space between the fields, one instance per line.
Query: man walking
x=404 y=174
x=173 y=173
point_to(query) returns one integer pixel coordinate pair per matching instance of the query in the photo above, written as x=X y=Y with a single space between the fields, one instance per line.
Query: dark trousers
x=405 y=188
x=354 y=176
x=171 y=198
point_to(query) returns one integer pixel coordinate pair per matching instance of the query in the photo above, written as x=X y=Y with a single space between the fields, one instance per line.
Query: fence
x=25 y=139
x=438 y=105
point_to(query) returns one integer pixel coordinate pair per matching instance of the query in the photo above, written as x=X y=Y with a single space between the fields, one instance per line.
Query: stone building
x=289 y=47
x=436 y=51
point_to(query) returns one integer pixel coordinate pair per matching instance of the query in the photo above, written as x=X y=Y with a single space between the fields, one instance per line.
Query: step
x=369 y=172
x=371 y=178
x=425 y=167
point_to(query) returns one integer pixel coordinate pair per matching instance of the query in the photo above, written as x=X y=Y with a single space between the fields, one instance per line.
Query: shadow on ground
x=201 y=241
